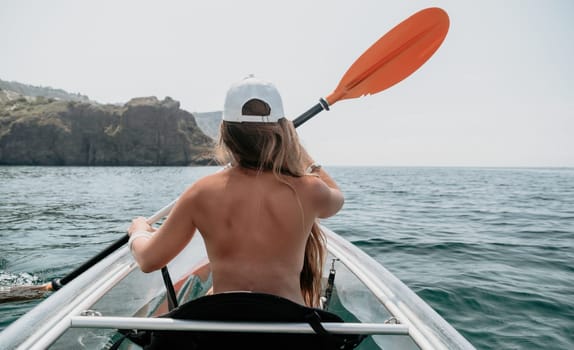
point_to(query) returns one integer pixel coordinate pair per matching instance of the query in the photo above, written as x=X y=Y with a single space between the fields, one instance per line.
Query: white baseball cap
x=246 y=90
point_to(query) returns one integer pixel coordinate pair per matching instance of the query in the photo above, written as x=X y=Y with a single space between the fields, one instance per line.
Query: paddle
x=395 y=56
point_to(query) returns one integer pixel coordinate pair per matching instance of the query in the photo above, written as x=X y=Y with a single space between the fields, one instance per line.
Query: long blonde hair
x=276 y=147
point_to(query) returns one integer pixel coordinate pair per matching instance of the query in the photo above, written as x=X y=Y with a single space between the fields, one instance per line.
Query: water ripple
x=490 y=249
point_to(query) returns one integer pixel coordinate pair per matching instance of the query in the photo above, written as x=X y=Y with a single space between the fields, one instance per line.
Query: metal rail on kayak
x=218 y=326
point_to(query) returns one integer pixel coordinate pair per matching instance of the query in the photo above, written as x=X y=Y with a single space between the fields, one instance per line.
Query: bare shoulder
x=204 y=185
x=326 y=200
x=313 y=185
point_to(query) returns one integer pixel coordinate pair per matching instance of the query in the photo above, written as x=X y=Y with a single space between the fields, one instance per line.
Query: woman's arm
x=153 y=253
x=330 y=199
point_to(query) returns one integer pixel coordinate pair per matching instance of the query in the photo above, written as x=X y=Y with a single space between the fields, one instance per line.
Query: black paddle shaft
x=58 y=283
x=313 y=111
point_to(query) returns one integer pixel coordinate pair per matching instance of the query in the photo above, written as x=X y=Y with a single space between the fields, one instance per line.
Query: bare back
x=255 y=230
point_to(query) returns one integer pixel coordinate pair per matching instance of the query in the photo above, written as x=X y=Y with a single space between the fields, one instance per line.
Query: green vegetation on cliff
x=40 y=91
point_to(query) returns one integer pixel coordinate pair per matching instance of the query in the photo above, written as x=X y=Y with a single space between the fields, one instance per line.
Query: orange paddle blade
x=395 y=56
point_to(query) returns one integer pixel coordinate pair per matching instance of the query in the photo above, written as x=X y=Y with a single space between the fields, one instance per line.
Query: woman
x=258 y=216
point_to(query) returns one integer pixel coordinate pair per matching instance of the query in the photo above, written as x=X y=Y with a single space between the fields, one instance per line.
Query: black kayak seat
x=247 y=307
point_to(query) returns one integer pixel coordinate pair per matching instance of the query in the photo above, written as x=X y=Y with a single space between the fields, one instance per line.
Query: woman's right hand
x=139 y=224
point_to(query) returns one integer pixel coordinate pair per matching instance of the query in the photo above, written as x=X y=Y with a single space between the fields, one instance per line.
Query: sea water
x=490 y=249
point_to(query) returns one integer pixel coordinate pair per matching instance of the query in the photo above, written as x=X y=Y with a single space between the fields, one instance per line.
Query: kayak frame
x=51 y=318
x=416 y=318
x=426 y=327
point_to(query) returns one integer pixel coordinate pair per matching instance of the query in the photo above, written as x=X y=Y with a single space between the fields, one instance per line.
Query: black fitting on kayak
x=171 y=295
x=330 y=285
x=56 y=284
x=313 y=111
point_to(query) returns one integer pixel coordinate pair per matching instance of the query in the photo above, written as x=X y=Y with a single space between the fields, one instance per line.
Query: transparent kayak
x=115 y=294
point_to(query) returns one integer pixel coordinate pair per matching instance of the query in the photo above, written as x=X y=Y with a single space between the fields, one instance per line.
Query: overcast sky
x=499 y=92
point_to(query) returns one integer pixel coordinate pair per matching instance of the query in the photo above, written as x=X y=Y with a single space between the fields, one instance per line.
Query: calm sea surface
x=492 y=250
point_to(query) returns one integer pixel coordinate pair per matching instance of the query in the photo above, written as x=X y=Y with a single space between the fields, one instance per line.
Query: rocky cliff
x=209 y=123
x=144 y=131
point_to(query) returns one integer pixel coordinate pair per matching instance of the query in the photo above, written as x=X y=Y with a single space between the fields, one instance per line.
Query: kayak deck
x=115 y=292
